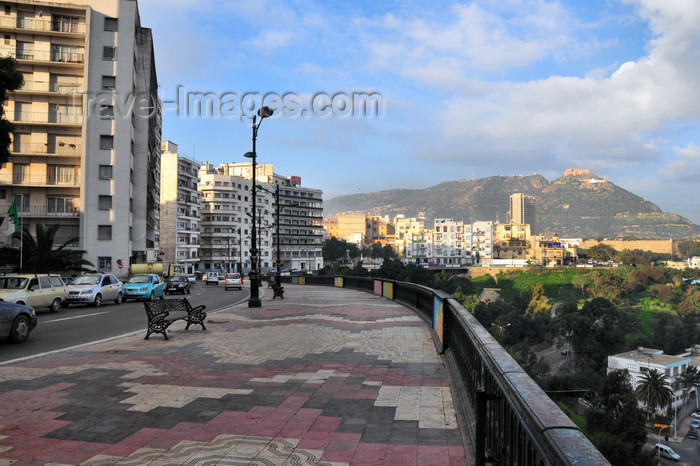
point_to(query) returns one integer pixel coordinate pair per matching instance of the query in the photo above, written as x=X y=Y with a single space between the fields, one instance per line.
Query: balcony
x=44 y=211
x=45 y=148
x=40 y=180
x=48 y=87
x=71 y=119
x=51 y=26
x=68 y=58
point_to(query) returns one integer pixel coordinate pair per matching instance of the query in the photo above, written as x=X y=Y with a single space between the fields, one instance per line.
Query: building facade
x=179 y=208
x=82 y=157
x=522 y=210
x=226 y=220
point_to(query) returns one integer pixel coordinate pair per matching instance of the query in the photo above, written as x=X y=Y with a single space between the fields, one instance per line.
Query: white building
x=642 y=360
x=82 y=157
x=179 y=209
x=450 y=246
x=419 y=247
x=226 y=221
x=482 y=242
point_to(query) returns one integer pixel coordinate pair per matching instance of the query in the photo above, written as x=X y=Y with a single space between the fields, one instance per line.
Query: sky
x=457 y=90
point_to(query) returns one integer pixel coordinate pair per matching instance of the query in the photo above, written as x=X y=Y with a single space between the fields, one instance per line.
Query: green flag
x=9 y=225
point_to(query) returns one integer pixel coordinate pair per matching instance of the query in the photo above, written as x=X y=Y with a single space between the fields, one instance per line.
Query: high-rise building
x=226 y=219
x=522 y=210
x=86 y=145
x=179 y=208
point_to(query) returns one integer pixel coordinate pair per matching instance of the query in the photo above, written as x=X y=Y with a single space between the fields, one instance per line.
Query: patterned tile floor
x=325 y=376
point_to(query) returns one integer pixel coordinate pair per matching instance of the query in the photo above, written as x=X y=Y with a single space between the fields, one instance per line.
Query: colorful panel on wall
x=437 y=317
x=388 y=290
x=339 y=281
x=378 y=286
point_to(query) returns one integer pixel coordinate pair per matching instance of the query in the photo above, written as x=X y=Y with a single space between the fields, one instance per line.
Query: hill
x=579 y=204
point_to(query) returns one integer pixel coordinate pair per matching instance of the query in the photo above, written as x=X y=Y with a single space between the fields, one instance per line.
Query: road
x=79 y=325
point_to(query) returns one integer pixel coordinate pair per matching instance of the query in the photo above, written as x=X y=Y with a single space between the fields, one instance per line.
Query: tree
x=691 y=378
x=654 y=390
x=538 y=302
x=335 y=249
x=601 y=252
x=617 y=421
x=40 y=255
x=594 y=331
x=582 y=282
x=10 y=80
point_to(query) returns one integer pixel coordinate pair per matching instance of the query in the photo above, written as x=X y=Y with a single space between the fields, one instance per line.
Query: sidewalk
x=325 y=376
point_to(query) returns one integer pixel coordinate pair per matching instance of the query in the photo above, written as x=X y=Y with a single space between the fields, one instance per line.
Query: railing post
x=480 y=427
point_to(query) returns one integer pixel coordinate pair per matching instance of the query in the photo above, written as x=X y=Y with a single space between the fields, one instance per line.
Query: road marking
x=76 y=317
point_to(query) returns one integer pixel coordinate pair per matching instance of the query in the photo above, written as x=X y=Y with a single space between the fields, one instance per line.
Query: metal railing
x=53 y=57
x=510 y=419
x=58 y=148
x=48 y=117
x=47 y=86
x=40 y=180
x=52 y=25
x=44 y=211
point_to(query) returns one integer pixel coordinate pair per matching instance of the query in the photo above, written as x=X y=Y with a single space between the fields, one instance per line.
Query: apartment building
x=226 y=220
x=642 y=360
x=83 y=157
x=512 y=241
x=482 y=242
x=419 y=247
x=179 y=208
x=451 y=242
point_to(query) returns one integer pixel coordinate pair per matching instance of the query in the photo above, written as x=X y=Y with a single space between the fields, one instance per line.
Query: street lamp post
x=254 y=300
x=278 y=291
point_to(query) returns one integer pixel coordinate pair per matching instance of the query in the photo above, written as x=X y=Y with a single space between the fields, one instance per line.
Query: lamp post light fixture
x=254 y=300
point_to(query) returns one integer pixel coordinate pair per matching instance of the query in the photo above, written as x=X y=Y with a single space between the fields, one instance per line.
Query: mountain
x=579 y=204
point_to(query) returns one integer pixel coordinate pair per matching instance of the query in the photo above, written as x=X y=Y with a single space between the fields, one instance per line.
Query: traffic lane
x=685 y=447
x=80 y=324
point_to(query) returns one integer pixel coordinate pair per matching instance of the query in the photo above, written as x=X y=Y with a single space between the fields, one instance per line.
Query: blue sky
x=468 y=89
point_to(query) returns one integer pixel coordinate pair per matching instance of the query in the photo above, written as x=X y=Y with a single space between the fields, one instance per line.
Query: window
x=59 y=205
x=109 y=82
x=105 y=203
x=67 y=53
x=8 y=10
x=7 y=39
x=61 y=174
x=21 y=201
x=104 y=232
x=106 y=112
x=105 y=172
x=109 y=53
x=111 y=24
x=104 y=263
x=64 y=24
x=20 y=173
x=106 y=142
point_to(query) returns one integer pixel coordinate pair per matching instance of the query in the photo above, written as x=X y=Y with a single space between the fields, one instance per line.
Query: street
x=78 y=324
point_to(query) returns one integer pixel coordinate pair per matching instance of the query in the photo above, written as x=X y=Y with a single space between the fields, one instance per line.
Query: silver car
x=94 y=289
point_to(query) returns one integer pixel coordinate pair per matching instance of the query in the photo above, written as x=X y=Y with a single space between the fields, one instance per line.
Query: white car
x=696 y=415
x=93 y=289
x=192 y=277
x=212 y=279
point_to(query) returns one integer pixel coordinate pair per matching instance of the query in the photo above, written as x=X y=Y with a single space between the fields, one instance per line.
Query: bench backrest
x=166 y=305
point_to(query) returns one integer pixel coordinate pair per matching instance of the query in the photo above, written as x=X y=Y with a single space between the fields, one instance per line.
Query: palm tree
x=654 y=390
x=691 y=378
x=40 y=255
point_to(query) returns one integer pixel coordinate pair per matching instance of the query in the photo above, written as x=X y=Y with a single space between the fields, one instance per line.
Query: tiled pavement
x=326 y=376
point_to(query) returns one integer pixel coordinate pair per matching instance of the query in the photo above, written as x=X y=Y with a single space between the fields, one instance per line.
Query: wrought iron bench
x=166 y=311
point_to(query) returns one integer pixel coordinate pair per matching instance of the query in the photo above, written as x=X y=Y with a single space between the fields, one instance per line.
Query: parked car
x=665 y=451
x=16 y=321
x=695 y=424
x=233 y=280
x=212 y=278
x=177 y=284
x=696 y=414
x=693 y=433
x=144 y=286
x=94 y=289
x=35 y=290
x=192 y=277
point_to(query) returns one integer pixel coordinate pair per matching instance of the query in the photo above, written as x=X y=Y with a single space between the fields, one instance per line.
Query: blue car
x=144 y=286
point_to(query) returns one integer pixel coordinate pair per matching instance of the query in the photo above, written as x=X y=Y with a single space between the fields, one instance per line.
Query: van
x=665 y=451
